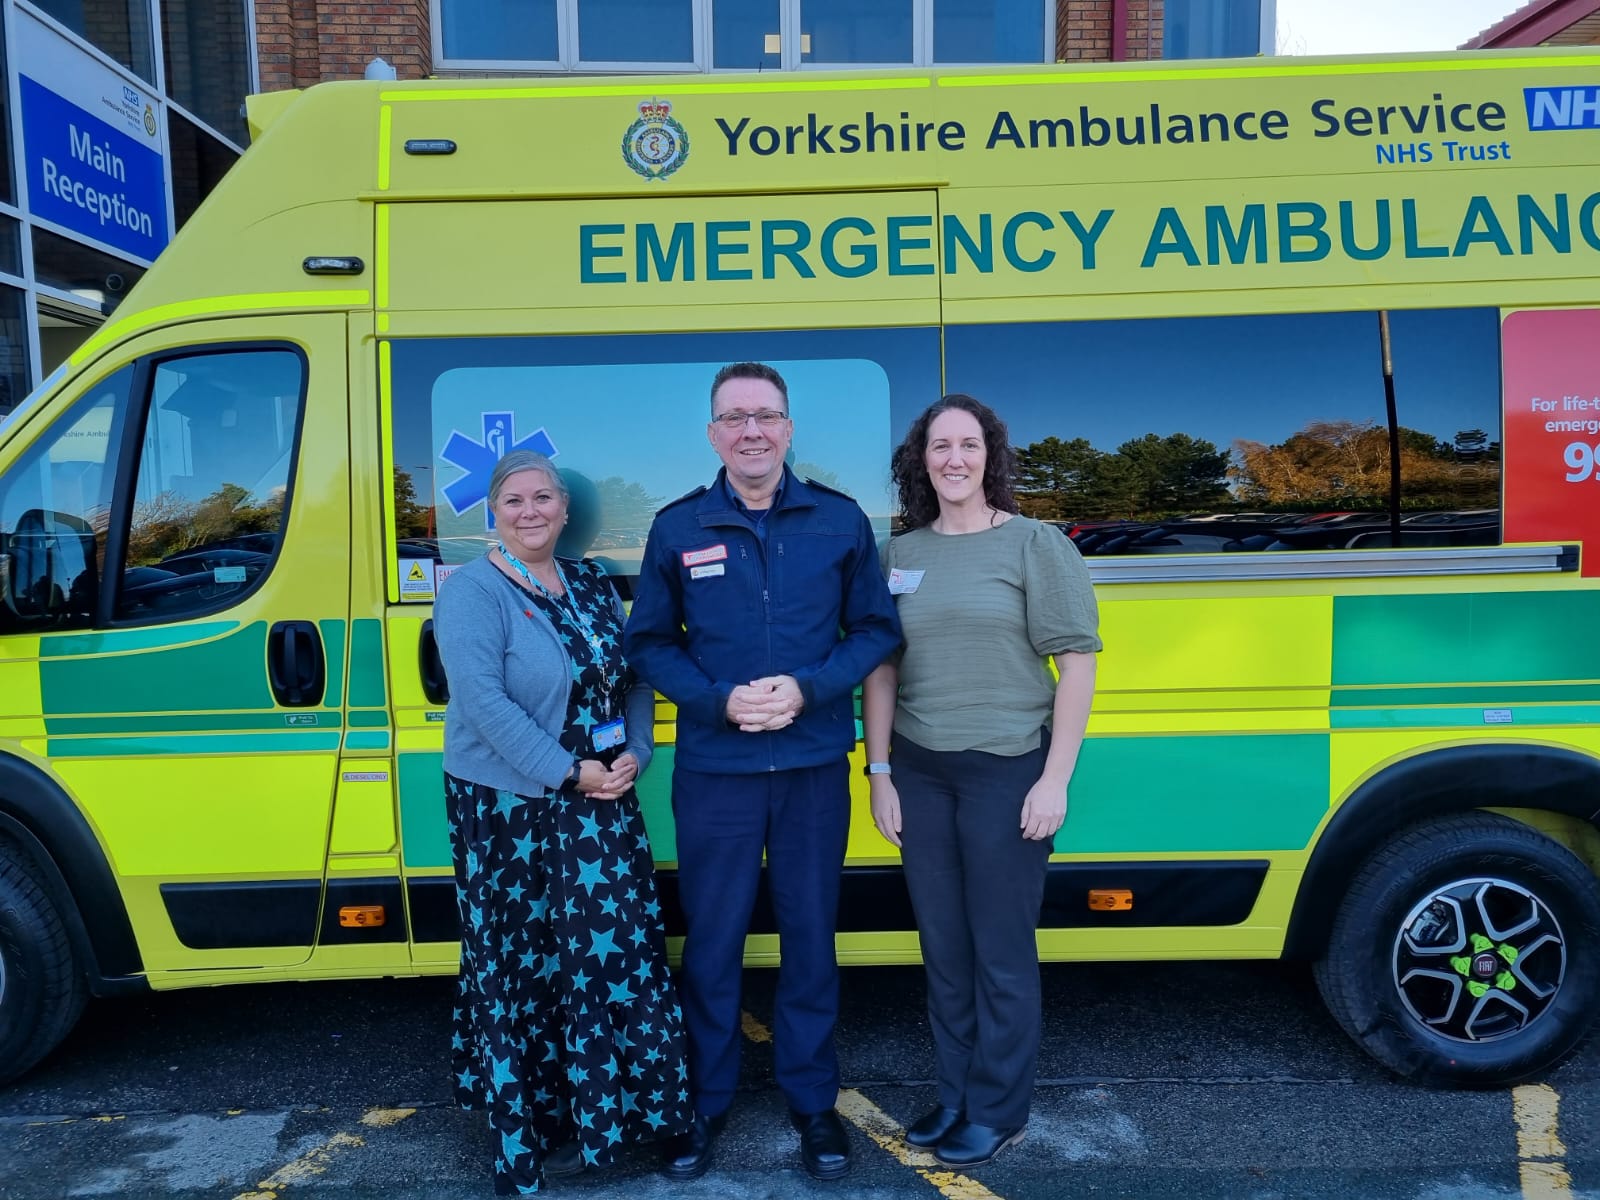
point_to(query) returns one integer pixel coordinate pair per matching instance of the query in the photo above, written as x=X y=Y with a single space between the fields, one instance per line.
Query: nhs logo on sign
x=1562 y=107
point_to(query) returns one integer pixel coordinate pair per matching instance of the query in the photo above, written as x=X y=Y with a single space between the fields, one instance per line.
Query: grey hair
x=517 y=461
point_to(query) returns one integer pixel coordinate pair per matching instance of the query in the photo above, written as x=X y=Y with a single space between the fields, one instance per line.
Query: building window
x=636 y=31
x=744 y=37
x=118 y=28
x=10 y=245
x=199 y=161
x=206 y=51
x=739 y=35
x=14 y=374
x=987 y=31
x=1216 y=28
x=92 y=277
x=7 y=189
x=845 y=32
x=499 y=30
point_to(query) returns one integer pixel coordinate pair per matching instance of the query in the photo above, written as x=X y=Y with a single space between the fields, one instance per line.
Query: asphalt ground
x=1200 y=1080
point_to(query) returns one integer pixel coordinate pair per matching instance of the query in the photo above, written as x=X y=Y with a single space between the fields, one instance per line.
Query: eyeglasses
x=767 y=418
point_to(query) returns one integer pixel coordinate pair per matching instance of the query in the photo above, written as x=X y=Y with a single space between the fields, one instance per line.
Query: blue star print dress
x=566 y=1027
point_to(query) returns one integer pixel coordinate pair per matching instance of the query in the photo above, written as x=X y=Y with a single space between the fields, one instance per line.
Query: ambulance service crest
x=655 y=145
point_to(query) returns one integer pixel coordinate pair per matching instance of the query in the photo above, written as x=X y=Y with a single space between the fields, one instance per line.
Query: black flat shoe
x=688 y=1156
x=966 y=1144
x=824 y=1143
x=932 y=1125
x=564 y=1160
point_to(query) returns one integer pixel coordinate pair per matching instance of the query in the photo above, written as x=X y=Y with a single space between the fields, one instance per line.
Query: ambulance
x=1303 y=354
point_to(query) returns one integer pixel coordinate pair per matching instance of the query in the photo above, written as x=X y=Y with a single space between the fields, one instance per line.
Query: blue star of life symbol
x=477 y=460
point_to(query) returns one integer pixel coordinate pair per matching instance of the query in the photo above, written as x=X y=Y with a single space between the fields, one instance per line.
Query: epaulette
x=689 y=495
x=832 y=491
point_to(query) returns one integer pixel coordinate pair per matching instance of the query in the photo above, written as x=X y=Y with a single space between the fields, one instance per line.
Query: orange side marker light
x=1111 y=899
x=361 y=916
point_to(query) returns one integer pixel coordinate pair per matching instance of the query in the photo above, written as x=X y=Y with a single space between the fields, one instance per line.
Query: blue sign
x=1562 y=107
x=91 y=178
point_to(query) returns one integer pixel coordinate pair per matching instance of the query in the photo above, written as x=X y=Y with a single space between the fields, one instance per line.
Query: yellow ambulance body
x=1363 y=737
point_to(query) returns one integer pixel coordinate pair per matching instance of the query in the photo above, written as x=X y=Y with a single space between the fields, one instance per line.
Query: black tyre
x=42 y=991
x=1467 y=953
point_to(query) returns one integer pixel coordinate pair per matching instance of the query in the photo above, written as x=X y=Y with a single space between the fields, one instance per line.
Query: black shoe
x=689 y=1154
x=824 y=1143
x=564 y=1160
x=966 y=1144
x=932 y=1125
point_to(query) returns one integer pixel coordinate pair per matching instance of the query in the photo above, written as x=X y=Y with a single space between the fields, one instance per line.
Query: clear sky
x=1377 y=26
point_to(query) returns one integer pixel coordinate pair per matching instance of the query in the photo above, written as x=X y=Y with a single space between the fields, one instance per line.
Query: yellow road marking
x=882 y=1128
x=1539 y=1146
x=315 y=1161
x=886 y=1132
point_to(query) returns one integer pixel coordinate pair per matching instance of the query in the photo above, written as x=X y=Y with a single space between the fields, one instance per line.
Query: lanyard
x=571 y=606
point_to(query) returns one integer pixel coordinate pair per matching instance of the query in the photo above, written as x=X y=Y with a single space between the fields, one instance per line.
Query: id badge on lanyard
x=609 y=735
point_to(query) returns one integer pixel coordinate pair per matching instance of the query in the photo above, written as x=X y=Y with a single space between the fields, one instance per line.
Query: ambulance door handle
x=434 y=685
x=295 y=664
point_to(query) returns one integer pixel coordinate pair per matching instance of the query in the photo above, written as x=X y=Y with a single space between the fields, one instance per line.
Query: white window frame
x=790 y=57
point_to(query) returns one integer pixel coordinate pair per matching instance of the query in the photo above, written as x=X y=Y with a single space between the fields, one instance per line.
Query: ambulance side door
x=179 y=558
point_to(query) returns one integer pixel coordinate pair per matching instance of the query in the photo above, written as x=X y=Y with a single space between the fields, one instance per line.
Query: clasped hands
x=765 y=704
x=599 y=782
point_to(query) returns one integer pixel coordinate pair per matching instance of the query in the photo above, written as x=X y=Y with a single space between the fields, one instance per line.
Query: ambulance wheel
x=42 y=992
x=1465 y=953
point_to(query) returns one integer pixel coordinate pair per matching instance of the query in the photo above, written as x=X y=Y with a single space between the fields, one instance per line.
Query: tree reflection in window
x=1246 y=433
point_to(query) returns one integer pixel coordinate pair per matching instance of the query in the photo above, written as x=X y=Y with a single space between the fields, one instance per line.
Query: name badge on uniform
x=706 y=571
x=693 y=558
x=612 y=733
x=901 y=582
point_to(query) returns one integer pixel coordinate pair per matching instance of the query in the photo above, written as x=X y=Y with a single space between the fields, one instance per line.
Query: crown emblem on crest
x=655 y=145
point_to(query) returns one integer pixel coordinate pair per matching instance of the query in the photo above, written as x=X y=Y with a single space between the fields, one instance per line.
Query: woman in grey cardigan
x=566 y=1026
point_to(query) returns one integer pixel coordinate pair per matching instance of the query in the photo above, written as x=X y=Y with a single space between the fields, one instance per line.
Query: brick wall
x=302 y=42
x=1085 y=30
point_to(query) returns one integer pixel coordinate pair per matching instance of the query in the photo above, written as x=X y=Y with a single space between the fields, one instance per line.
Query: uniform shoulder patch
x=689 y=495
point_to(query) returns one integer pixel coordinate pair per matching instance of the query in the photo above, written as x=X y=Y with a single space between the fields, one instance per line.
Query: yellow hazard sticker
x=416 y=579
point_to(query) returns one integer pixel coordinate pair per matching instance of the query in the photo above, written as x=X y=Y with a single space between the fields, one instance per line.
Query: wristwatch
x=573 y=774
x=876 y=768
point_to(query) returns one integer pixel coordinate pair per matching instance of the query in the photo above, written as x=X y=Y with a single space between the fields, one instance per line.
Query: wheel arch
x=42 y=822
x=1451 y=779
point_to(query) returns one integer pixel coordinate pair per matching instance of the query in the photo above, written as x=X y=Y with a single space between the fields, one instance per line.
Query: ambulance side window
x=55 y=506
x=212 y=490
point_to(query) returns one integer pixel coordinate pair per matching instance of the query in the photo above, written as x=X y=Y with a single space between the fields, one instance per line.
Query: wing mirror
x=49 y=573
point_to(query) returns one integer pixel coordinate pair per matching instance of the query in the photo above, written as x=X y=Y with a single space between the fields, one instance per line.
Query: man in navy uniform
x=760 y=607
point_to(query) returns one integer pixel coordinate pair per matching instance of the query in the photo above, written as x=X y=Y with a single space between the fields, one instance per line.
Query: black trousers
x=976 y=886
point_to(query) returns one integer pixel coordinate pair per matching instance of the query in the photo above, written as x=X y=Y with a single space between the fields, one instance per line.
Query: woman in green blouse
x=971 y=743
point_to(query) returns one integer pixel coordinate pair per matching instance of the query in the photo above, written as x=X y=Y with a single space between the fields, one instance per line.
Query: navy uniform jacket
x=717 y=606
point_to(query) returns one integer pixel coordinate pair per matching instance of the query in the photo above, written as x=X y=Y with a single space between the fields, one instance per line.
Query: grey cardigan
x=509 y=682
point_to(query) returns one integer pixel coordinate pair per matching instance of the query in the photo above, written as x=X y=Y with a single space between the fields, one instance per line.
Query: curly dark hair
x=919 y=504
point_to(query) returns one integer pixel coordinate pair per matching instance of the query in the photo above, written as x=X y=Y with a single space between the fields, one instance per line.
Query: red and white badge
x=694 y=558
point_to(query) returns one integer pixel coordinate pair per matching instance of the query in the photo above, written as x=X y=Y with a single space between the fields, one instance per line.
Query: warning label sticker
x=416 y=579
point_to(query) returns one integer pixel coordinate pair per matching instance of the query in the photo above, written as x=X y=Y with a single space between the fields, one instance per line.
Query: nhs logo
x=1562 y=107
